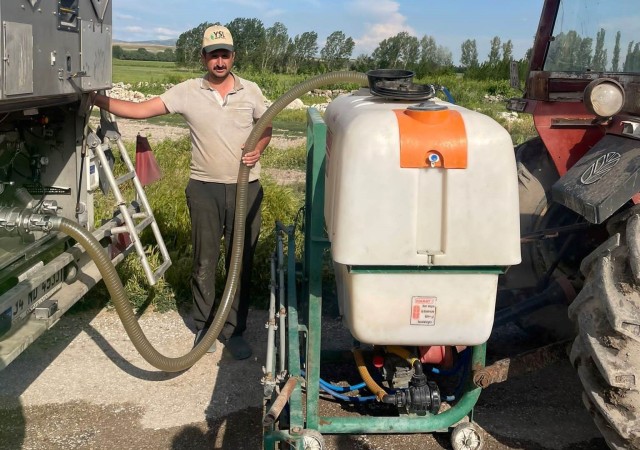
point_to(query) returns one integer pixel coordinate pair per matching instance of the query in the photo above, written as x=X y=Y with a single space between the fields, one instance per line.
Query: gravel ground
x=82 y=385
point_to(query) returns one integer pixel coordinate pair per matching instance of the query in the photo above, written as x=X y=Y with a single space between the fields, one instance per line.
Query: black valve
x=420 y=397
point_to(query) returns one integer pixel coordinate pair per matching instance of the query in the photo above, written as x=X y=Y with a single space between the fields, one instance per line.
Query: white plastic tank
x=421 y=208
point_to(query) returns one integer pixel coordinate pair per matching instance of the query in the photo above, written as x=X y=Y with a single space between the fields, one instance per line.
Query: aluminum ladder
x=134 y=223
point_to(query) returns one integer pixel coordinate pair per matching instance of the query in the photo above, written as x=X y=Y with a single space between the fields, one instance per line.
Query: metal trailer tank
x=422 y=214
x=54 y=53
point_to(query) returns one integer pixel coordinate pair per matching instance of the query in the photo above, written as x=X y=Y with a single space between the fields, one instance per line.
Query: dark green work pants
x=212 y=211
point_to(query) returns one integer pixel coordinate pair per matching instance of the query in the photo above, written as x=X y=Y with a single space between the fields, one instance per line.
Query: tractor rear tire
x=536 y=175
x=606 y=351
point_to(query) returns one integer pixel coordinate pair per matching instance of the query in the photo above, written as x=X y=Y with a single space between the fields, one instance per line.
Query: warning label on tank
x=423 y=311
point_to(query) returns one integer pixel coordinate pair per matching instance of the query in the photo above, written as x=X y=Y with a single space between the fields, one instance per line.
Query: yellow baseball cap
x=217 y=37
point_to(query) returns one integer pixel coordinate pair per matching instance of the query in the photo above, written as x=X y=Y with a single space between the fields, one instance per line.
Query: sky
x=367 y=22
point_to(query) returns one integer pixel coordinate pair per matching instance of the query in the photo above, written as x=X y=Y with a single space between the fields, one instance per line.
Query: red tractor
x=579 y=192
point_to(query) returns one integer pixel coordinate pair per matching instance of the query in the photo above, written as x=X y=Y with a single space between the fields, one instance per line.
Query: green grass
x=292 y=158
x=167 y=199
x=152 y=72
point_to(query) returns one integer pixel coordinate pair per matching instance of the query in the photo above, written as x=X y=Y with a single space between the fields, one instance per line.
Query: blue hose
x=448 y=94
x=461 y=363
x=348 y=398
x=456 y=367
x=341 y=388
x=336 y=391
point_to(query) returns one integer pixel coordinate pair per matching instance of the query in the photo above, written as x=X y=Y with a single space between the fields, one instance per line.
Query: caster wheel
x=312 y=440
x=467 y=436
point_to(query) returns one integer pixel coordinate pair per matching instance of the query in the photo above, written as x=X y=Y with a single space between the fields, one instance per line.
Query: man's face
x=219 y=62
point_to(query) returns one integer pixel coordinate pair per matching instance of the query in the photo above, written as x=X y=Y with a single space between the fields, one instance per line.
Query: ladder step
x=124 y=178
x=162 y=269
x=138 y=228
x=144 y=224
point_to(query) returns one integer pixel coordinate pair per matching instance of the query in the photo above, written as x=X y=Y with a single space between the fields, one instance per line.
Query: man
x=220 y=109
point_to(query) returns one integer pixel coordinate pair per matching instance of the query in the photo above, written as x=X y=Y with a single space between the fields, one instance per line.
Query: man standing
x=220 y=109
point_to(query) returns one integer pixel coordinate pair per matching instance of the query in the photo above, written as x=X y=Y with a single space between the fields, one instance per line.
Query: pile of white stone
x=297 y=104
x=125 y=91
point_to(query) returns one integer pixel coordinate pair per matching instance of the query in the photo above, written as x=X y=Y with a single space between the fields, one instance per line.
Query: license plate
x=28 y=301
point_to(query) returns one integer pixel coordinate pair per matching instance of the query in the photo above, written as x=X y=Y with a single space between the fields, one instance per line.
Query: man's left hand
x=251 y=158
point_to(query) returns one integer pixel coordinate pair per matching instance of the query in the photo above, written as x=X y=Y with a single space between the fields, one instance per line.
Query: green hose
x=112 y=280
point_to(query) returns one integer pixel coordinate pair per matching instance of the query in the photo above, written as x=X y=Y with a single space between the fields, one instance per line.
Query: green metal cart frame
x=304 y=417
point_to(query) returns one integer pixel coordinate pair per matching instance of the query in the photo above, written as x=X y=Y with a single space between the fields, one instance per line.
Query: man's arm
x=252 y=157
x=130 y=110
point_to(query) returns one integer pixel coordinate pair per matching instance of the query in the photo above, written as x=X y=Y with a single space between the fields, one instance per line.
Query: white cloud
x=166 y=32
x=124 y=16
x=135 y=29
x=382 y=20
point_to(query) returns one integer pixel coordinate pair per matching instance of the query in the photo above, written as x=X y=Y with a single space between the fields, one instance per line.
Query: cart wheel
x=312 y=440
x=467 y=436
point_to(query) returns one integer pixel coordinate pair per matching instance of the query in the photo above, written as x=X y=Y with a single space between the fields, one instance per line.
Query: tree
x=469 y=55
x=337 y=50
x=399 y=51
x=302 y=50
x=494 y=53
x=507 y=52
x=632 y=61
x=444 y=58
x=363 y=63
x=584 y=58
x=166 y=55
x=428 y=54
x=189 y=46
x=599 y=62
x=409 y=49
x=563 y=54
x=117 y=52
x=274 y=46
x=628 y=61
x=433 y=58
x=615 y=61
x=248 y=41
x=386 y=54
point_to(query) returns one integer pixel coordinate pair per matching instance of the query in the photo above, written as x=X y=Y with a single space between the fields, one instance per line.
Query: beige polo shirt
x=219 y=127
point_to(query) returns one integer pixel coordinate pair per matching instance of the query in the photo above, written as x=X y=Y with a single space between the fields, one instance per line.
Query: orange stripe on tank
x=432 y=139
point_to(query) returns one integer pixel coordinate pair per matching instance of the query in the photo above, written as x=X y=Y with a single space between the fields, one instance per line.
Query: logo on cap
x=217 y=37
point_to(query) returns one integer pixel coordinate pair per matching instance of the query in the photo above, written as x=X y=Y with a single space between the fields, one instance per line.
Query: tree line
x=570 y=51
x=271 y=49
x=142 y=54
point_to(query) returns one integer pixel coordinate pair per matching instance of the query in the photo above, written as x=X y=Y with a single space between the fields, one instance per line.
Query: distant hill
x=165 y=42
x=152 y=46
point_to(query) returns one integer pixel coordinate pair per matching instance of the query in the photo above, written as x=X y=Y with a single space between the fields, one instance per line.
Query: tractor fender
x=603 y=180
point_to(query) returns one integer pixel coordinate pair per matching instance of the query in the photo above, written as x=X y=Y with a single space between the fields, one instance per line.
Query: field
x=150 y=72
x=282 y=202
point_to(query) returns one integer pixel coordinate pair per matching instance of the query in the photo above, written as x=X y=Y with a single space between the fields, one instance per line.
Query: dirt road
x=82 y=385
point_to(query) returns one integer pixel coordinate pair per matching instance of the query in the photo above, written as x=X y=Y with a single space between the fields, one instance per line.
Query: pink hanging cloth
x=147 y=167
